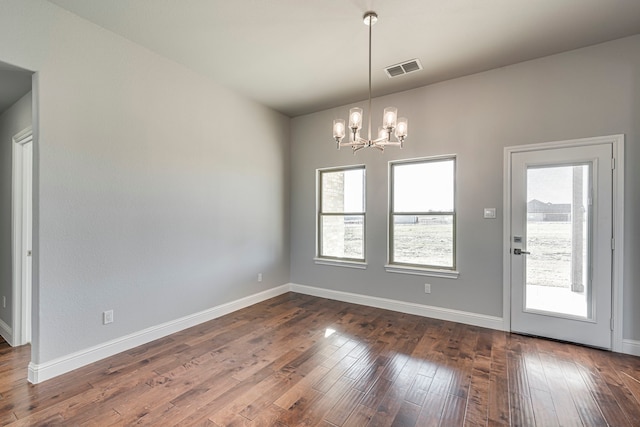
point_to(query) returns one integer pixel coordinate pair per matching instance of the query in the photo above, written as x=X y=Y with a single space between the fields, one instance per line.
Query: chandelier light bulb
x=338 y=129
x=402 y=128
x=389 y=117
x=355 y=118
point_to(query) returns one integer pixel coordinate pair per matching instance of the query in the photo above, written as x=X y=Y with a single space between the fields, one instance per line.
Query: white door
x=27 y=232
x=561 y=243
x=22 y=225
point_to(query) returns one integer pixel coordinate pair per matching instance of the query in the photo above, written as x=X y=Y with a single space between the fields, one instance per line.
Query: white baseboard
x=631 y=347
x=475 y=319
x=41 y=372
x=6 y=332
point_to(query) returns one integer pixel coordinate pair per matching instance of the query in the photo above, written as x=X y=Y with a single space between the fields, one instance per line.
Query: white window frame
x=420 y=269
x=339 y=261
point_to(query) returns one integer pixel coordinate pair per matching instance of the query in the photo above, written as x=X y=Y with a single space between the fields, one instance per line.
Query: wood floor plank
x=360 y=417
x=611 y=410
x=567 y=412
x=334 y=374
x=294 y=393
x=521 y=410
x=268 y=417
x=388 y=408
x=418 y=390
x=498 y=399
x=407 y=415
x=453 y=412
x=544 y=411
x=585 y=403
x=345 y=405
x=302 y=360
x=623 y=396
x=432 y=408
x=477 y=412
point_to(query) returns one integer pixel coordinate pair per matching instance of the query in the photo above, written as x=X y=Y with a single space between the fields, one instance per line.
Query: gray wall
x=12 y=121
x=160 y=193
x=588 y=92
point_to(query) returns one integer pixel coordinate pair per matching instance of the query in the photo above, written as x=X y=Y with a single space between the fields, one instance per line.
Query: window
x=422 y=220
x=341 y=213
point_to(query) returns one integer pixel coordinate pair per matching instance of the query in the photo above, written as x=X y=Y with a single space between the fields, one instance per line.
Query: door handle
x=520 y=252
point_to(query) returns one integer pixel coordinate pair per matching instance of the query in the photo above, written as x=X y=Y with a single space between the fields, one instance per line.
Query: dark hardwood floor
x=302 y=360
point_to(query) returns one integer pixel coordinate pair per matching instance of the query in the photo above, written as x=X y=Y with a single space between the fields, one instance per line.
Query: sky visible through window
x=353 y=190
x=423 y=187
x=414 y=188
x=553 y=184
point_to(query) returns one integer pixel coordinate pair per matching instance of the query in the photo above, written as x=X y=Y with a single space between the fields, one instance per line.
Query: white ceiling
x=300 y=56
x=14 y=84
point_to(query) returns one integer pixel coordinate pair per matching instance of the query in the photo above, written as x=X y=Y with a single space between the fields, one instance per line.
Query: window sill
x=341 y=263
x=433 y=272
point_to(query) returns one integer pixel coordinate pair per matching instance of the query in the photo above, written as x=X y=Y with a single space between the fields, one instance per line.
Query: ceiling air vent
x=404 y=68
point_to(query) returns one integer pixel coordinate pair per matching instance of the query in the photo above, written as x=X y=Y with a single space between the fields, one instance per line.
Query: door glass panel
x=558 y=240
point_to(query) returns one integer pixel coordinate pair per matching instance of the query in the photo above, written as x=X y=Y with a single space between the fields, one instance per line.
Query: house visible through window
x=422 y=229
x=341 y=213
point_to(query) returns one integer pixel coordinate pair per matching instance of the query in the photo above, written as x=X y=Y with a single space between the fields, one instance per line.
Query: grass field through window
x=549 y=243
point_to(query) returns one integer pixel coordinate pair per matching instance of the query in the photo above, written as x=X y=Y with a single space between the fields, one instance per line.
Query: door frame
x=617 y=143
x=22 y=295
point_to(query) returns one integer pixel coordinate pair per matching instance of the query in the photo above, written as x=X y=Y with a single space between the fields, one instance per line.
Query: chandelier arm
x=386 y=143
x=357 y=143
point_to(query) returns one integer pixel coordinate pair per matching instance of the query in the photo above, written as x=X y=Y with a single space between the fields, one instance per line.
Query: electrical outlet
x=107 y=317
x=259 y=277
x=427 y=288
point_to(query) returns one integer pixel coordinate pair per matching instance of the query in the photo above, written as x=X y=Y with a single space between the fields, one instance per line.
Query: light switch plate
x=490 y=213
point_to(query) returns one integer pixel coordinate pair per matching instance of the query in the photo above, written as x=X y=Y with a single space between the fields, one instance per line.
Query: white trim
x=338 y=263
x=617 y=142
x=318 y=259
x=20 y=323
x=631 y=347
x=617 y=303
x=475 y=319
x=6 y=332
x=432 y=272
x=44 y=371
x=506 y=239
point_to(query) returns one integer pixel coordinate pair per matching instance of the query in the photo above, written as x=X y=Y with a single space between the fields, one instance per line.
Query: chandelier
x=391 y=124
